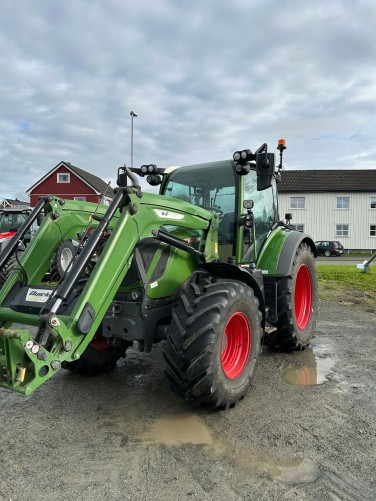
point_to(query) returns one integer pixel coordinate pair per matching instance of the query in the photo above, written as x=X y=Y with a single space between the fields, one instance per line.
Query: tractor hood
x=168 y=204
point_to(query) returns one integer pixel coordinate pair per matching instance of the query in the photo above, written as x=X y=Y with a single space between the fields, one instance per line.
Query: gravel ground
x=305 y=431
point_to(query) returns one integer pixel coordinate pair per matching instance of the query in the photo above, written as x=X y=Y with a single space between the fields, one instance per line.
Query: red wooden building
x=72 y=183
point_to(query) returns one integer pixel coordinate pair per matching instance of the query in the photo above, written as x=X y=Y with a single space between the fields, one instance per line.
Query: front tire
x=63 y=259
x=297 y=305
x=214 y=344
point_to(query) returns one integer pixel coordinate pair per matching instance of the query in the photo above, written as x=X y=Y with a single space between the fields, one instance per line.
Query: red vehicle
x=10 y=221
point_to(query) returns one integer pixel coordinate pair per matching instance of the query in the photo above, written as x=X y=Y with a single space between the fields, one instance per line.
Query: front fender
x=252 y=278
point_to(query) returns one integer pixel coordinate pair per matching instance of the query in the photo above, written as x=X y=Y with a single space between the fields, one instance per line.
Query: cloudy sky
x=205 y=77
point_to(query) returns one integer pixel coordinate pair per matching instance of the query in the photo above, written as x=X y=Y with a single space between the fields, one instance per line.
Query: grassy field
x=347 y=284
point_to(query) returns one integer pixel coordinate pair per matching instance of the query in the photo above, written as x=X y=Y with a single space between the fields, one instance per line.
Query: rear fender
x=277 y=256
x=287 y=256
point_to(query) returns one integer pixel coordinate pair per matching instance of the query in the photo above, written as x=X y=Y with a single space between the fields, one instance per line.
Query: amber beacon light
x=281 y=147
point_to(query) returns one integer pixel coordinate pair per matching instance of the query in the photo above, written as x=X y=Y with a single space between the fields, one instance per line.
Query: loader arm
x=43 y=325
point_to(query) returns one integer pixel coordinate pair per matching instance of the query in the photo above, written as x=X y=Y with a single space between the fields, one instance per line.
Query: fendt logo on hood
x=168 y=214
x=38 y=295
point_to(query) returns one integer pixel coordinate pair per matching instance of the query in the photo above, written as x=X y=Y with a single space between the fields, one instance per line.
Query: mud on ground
x=305 y=431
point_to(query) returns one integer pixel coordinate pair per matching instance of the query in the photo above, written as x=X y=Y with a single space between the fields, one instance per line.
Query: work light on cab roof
x=151 y=170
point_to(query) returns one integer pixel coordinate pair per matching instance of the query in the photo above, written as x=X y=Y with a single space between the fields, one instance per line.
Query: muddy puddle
x=190 y=429
x=175 y=430
x=182 y=431
x=311 y=369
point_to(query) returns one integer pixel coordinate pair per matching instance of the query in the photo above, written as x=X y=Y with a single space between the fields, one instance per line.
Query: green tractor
x=206 y=266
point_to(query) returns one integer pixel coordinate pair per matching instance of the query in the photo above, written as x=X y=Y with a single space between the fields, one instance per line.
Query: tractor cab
x=246 y=213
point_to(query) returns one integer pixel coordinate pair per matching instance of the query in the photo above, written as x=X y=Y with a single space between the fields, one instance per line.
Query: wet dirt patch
x=297 y=472
x=187 y=430
x=312 y=370
x=287 y=470
x=182 y=429
x=309 y=375
x=175 y=430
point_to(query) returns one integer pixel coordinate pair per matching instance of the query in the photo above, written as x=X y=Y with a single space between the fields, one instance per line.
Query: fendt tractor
x=206 y=267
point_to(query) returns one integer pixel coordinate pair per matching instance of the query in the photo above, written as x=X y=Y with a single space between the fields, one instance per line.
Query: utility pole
x=132 y=114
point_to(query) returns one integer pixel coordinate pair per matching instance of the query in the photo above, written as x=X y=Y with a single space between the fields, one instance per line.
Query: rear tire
x=327 y=253
x=98 y=357
x=297 y=303
x=214 y=344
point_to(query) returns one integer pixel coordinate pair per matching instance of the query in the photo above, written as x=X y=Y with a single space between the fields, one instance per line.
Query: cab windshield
x=214 y=186
x=210 y=186
x=11 y=221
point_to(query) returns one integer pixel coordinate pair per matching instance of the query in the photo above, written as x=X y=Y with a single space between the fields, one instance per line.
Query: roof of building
x=327 y=180
x=95 y=182
x=15 y=202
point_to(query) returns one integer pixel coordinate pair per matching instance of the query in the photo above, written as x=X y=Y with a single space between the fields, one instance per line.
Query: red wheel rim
x=303 y=297
x=237 y=345
x=99 y=342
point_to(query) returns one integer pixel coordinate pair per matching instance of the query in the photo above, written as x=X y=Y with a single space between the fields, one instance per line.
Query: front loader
x=206 y=266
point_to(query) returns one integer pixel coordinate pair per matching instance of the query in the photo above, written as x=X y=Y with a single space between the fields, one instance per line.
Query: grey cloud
x=205 y=78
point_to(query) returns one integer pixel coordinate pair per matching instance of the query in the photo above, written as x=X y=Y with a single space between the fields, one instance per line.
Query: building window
x=80 y=199
x=373 y=202
x=63 y=177
x=372 y=230
x=342 y=230
x=343 y=202
x=297 y=202
x=298 y=227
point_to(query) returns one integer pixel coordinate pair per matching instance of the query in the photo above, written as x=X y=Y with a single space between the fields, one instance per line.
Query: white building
x=332 y=205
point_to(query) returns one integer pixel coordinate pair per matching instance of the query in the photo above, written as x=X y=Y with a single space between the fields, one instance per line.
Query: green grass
x=365 y=254
x=347 y=284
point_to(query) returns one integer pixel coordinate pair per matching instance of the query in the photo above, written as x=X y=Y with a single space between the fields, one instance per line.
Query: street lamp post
x=132 y=114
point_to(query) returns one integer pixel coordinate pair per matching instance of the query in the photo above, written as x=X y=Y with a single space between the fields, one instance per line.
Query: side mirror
x=265 y=163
